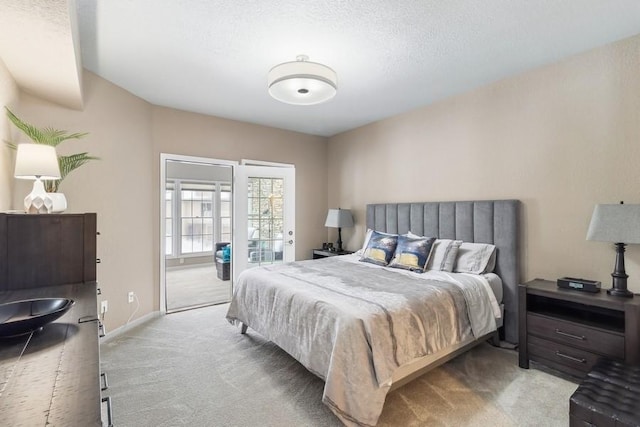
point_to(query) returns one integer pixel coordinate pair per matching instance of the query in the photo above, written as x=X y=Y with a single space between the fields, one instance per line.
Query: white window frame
x=177 y=209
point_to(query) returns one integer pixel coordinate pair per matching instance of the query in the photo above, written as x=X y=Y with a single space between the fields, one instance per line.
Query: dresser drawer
x=575 y=361
x=607 y=343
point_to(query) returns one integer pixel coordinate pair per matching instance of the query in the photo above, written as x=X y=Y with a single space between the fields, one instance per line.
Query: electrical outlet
x=131 y=296
x=104 y=306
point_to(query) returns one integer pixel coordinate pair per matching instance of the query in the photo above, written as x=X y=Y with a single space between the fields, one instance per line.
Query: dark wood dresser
x=569 y=330
x=51 y=377
x=46 y=250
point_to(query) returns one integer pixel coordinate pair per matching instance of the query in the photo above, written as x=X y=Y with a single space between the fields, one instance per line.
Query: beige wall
x=118 y=187
x=128 y=135
x=179 y=132
x=561 y=139
x=8 y=98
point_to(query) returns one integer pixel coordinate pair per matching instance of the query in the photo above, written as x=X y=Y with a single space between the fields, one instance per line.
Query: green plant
x=53 y=137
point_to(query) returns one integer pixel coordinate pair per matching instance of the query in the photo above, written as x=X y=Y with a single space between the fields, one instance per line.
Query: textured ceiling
x=38 y=45
x=212 y=56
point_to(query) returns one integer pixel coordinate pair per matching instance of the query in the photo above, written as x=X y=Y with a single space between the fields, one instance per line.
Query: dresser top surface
x=50 y=377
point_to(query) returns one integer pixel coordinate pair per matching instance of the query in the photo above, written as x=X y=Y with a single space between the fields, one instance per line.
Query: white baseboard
x=125 y=328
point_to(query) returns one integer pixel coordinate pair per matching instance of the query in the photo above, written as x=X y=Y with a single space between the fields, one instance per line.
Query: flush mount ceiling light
x=302 y=82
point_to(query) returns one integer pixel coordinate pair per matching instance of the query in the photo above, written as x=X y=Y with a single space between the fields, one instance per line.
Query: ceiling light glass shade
x=36 y=161
x=302 y=82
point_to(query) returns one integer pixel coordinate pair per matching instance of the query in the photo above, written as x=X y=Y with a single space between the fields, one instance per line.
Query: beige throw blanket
x=353 y=324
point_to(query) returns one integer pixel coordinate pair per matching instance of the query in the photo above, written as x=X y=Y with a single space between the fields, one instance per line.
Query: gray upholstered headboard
x=486 y=221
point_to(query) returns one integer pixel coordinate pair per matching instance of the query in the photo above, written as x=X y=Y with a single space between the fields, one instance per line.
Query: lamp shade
x=339 y=218
x=302 y=82
x=36 y=161
x=619 y=223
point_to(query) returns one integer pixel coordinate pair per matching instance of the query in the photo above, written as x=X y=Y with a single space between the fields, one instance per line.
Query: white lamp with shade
x=39 y=162
x=618 y=224
x=338 y=218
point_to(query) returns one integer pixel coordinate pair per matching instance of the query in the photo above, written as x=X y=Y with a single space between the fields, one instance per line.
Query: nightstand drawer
x=606 y=343
x=559 y=356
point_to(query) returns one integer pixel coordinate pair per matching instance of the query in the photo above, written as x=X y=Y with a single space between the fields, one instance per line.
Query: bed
x=366 y=329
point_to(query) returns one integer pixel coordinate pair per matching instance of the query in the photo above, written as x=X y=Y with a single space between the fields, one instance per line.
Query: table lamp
x=338 y=218
x=37 y=162
x=618 y=224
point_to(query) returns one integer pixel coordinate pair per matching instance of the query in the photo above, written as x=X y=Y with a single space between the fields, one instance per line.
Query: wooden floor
x=194 y=286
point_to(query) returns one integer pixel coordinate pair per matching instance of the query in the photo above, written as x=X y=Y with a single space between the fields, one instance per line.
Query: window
x=169 y=197
x=196 y=217
x=225 y=212
x=265 y=219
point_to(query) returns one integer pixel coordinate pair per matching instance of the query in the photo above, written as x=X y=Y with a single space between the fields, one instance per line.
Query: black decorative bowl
x=22 y=317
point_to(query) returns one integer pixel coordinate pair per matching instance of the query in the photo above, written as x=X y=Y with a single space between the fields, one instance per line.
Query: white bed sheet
x=491 y=281
x=309 y=311
x=496 y=285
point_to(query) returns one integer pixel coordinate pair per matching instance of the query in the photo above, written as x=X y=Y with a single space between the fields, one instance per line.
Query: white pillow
x=475 y=258
x=367 y=236
x=443 y=255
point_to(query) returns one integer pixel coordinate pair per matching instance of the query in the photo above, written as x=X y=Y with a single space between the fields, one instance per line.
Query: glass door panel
x=265 y=232
x=265 y=198
x=196 y=222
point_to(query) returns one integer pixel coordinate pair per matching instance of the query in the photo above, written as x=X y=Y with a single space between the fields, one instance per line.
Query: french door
x=257 y=214
x=195 y=216
x=264 y=225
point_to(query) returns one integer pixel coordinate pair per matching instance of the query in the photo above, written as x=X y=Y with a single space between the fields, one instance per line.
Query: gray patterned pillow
x=380 y=248
x=412 y=253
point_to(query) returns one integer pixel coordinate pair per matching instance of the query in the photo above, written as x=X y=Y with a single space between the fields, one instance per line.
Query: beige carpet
x=195 y=285
x=194 y=369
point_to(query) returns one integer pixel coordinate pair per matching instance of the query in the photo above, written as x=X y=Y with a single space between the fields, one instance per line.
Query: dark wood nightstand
x=323 y=253
x=570 y=330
